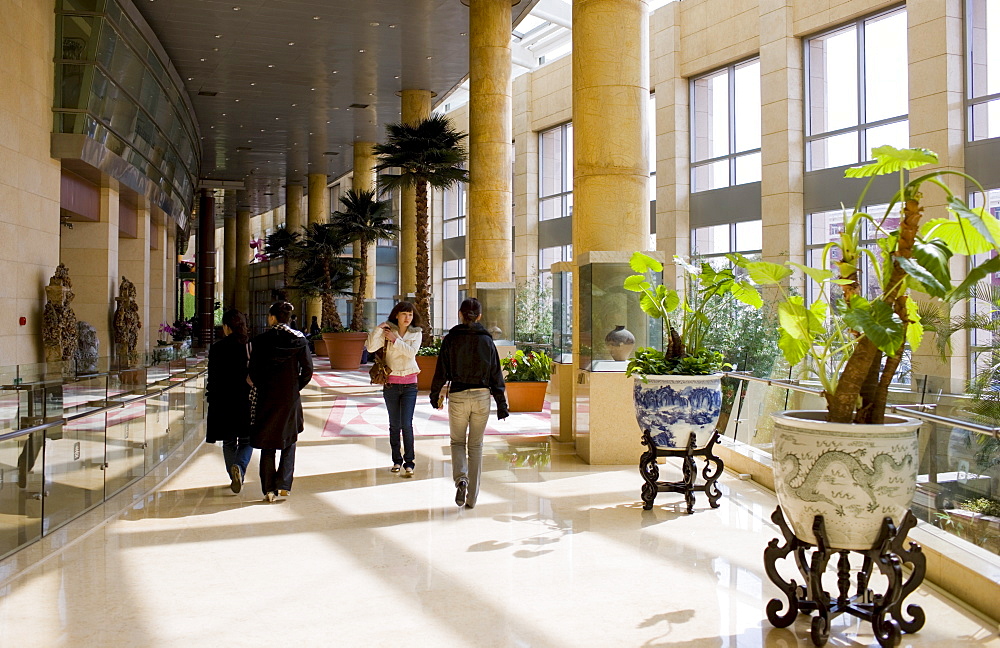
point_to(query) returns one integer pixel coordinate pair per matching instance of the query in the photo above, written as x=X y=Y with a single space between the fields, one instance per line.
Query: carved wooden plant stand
x=650 y=471
x=884 y=611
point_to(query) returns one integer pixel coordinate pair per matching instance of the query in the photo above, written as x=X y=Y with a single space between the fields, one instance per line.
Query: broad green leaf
x=977 y=274
x=934 y=256
x=819 y=310
x=793 y=350
x=798 y=321
x=766 y=273
x=878 y=322
x=957 y=234
x=669 y=298
x=636 y=283
x=930 y=283
x=644 y=263
x=746 y=293
x=841 y=282
x=650 y=306
x=914 y=330
x=817 y=274
x=984 y=222
x=892 y=160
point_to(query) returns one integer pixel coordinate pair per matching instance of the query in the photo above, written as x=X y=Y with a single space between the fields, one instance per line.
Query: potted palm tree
x=277 y=246
x=853 y=463
x=365 y=220
x=678 y=390
x=426 y=154
x=323 y=271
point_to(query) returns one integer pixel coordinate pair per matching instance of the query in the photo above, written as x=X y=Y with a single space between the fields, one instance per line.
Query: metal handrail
x=914 y=410
x=103 y=410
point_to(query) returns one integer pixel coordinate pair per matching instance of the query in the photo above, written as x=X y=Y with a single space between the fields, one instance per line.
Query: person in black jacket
x=280 y=366
x=228 y=395
x=468 y=359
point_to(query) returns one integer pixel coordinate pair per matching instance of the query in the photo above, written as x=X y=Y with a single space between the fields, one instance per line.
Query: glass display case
x=562 y=312
x=497 y=300
x=612 y=323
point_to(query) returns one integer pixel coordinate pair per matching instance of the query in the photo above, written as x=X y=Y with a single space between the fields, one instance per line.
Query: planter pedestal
x=888 y=554
x=525 y=396
x=650 y=471
x=427 y=364
x=345 y=349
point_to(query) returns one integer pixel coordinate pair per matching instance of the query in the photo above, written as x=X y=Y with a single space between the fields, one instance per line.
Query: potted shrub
x=678 y=391
x=853 y=463
x=427 y=359
x=526 y=376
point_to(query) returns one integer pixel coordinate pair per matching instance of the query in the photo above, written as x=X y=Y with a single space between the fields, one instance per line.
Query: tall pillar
x=937 y=122
x=205 y=294
x=488 y=237
x=229 y=260
x=90 y=251
x=293 y=210
x=610 y=98
x=416 y=107
x=610 y=199
x=364 y=180
x=170 y=278
x=241 y=286
x=159 y=258
x=133 y=261
x=319 y=212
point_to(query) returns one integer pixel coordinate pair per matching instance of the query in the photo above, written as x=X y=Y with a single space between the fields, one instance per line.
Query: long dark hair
x=404 y=307
x=237 y=323
x=470 y=310
x=282 y=311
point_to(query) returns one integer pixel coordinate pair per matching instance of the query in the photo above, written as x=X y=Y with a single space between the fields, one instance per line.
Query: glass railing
x=69 y=440
x=959 y=465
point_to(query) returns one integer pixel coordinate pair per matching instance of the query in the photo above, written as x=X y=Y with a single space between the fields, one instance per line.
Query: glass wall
x=725 y=127
x=983 y=52
x=856 y=90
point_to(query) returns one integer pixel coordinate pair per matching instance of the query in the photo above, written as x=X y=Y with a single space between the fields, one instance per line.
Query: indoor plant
x=853 y=342
x=427 y=357
x=526 y=376
x=677 y=391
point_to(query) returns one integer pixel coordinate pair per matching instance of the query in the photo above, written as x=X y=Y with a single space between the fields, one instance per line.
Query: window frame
x=565 y=194
x=972 y=101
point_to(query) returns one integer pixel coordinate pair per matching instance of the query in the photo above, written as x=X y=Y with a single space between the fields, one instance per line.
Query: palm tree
x=365 y=220
x=428 y=153
x=277 y=246
x=322 y=270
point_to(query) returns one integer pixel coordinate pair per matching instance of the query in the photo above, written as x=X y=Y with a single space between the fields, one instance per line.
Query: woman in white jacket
x=401 y=336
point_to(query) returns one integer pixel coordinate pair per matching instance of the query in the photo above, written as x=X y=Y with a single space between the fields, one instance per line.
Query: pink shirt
x=409 y=379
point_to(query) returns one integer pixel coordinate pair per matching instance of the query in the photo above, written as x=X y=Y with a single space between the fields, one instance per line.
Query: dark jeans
x=237 y=451
x=271 y=480
x=401 y=400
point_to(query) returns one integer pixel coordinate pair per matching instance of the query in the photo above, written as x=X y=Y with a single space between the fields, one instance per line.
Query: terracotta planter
x=672 y=407
x=853 y=475
x=320 y=347
x=427 y=366
x=526 y=396
x=344 y=349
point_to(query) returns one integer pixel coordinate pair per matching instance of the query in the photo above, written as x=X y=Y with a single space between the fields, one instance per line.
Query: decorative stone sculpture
x=127 y=323
x=87 y=350
x=59 y=334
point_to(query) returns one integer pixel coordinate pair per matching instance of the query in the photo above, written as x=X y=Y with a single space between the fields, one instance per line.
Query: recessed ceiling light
x=293 y=105
x=218 y=35
x=392 y=26
x=190 y=78
x=462 y=34
x=315 y=17
x=252 y=83
x=334 y=72
x=215 y=49
x=236 y=8
x=223 y=114
x=360 y=51
x=429 y=57
x=237 y=101
x=395 y=77
x=291 y=42
x=312 y=88
x=277 y=118
x=202 y=60
x=373 y=24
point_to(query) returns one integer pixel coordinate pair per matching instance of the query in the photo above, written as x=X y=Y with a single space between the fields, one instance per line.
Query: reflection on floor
x=557 y=553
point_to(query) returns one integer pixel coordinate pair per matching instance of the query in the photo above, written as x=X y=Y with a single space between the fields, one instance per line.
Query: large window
x=983 y=38
x=550 y=255
x=715 y=241
x=725 y=127
x=826 y=226
x=453 y=276
x=455 y=210
x=857 y=92
x=984 y=343
x=555 y=172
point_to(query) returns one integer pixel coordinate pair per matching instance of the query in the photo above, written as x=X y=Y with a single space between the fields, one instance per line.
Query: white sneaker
x=407 y=472
x=270 y=497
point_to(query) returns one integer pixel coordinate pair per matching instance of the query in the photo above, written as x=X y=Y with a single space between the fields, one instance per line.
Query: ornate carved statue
x=127 y=323
x=87 y=350
x=59 y=334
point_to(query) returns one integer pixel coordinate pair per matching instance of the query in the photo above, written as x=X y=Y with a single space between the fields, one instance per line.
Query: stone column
x=782 y=146
x=170 y=278
x=416 y=107
x=293 y=210
x=205 y=289
x=488 y=237
x=673 y=169
x=133 y=262
x=241 y=286
x=525 y=182
x=90 y=251
x=319 y=212
x=159 y=261
x=364 y=180
x=937 y=122
x=229 y=260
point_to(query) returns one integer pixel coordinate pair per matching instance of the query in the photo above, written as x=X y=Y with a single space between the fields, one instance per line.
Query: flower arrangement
x=258 y=245
x=179 y=331
x=533 y=366
x=432 y=349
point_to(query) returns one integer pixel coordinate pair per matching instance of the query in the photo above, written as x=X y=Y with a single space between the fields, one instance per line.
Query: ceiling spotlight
x=360 y=51
x=218 y=35
x=202 y=60
x=223 y=114
x=236 y=8
x=291 y=42
x=312 y=88
x=270 y=65
x=252 y=83
x=373 y=24
x=293 y=105
x=462 y=34
x=429 y=57
x=237 y=101
x=190 y=78
x=334 y=72
x=215 y=49
x=395 y=77
x=392 y=26
x=315 y=17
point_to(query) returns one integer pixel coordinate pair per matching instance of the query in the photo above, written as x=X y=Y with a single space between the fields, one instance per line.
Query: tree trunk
x=422 y=300
x=329 y=314
x=358 y=317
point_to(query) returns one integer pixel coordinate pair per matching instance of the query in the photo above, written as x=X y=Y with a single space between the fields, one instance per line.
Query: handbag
x=380 y=368
x=253 y=392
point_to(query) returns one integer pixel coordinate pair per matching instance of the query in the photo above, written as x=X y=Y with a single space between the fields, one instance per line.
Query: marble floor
x=557 y=553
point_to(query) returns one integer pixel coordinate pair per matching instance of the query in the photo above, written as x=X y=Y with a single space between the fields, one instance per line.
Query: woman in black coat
x=228 y=395
x=280 y=366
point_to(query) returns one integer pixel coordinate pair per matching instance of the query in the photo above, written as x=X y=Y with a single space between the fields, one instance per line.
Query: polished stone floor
x=557 y=553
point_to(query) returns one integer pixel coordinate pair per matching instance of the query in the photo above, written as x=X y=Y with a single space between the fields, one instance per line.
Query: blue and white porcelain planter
x=853 y=475
x=672 y=407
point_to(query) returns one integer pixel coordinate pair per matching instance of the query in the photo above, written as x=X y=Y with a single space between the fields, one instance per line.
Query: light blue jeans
x=468 y=412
